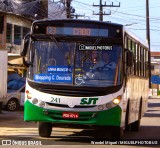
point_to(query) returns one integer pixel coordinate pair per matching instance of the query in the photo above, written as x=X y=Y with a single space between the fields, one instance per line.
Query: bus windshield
x=75 y=63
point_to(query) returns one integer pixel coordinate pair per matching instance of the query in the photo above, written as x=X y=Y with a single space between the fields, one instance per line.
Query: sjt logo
x=88 y=101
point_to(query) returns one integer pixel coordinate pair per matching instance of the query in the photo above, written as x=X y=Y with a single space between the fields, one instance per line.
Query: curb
x=154 y=97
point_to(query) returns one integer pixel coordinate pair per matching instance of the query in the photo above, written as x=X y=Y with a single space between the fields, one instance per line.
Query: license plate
x=70 y=115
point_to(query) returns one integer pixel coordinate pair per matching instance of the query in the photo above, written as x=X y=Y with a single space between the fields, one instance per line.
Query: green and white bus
x=63 y=86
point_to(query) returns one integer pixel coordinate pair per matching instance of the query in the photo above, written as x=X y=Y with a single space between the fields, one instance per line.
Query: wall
x=19 y=21
x=3 y=35
x=3 y=60
x=155 y=62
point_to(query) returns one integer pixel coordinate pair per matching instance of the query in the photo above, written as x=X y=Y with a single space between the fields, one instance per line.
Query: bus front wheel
x=45 y=129
x=116 y=133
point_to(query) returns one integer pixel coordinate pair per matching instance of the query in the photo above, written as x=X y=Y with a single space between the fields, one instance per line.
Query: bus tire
x=101 y=132
x=116 y=133
x=0 y=107
x=45 y=129
x=127 y=126
x=135 y=126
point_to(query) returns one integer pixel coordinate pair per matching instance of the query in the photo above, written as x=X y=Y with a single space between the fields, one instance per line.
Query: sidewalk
x=154 y=97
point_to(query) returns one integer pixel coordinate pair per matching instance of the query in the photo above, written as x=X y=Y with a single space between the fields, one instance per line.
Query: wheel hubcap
x=12 y=105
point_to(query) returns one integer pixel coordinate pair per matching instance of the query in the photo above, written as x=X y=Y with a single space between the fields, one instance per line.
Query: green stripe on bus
x=111 y=117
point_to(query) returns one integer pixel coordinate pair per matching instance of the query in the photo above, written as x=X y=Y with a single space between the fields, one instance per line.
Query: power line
x=87 y=7
x=154 y=18
x=144 y=29
x=83 y=3
x=139 y=24
x=77 y=15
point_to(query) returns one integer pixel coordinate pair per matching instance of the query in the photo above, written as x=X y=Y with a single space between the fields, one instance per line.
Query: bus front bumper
x=110 y=117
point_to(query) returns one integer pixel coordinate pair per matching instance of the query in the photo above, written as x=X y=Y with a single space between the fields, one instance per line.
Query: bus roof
x=95 y=22
x=78 y=20
x=138 y=39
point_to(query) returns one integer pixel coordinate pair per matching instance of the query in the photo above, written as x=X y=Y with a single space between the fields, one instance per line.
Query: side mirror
x=25 y=49
x=130 y=58
x=27 y=64
x=25 y=45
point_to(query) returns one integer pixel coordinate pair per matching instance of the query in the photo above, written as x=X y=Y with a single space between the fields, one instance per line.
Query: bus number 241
x=55 y=100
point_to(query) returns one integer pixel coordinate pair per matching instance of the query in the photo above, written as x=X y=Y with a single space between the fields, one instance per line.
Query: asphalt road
x=18 y=132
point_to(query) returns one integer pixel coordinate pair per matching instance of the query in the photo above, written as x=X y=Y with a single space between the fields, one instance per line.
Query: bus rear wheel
x=45 y=129
x=135 y=126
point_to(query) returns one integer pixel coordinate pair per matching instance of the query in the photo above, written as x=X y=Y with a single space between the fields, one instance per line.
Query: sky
x=130 y=12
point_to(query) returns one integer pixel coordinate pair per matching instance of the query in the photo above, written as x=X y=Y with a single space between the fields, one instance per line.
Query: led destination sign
x=76 y=31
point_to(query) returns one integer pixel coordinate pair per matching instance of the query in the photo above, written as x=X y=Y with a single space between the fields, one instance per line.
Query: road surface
x=13 y=128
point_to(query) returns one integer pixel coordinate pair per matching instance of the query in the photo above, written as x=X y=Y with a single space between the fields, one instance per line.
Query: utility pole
x=68 y=8
x=101 y=13
x=148 y=40
x=77 y=15
x=147 y=23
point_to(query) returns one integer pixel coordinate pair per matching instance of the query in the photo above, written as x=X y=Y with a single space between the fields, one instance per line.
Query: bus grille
x=66 y=106
x=68 y=92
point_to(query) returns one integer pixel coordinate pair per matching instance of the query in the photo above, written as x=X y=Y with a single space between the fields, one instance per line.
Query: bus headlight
x=109 y=105
x=29 y=96
x=35 y=101
x=117 y=100
x=42 y=104
x=100 y=107
x=114 y=102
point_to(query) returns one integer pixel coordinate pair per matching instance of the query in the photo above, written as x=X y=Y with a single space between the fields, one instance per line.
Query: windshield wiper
x=58 y=45
x=97 y=41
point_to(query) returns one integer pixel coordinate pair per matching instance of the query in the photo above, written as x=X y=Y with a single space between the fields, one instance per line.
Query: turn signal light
x=27 y=91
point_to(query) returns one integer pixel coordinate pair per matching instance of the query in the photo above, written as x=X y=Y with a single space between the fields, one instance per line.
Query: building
x=15 y=22
x=155 y=72
x=17 y=18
